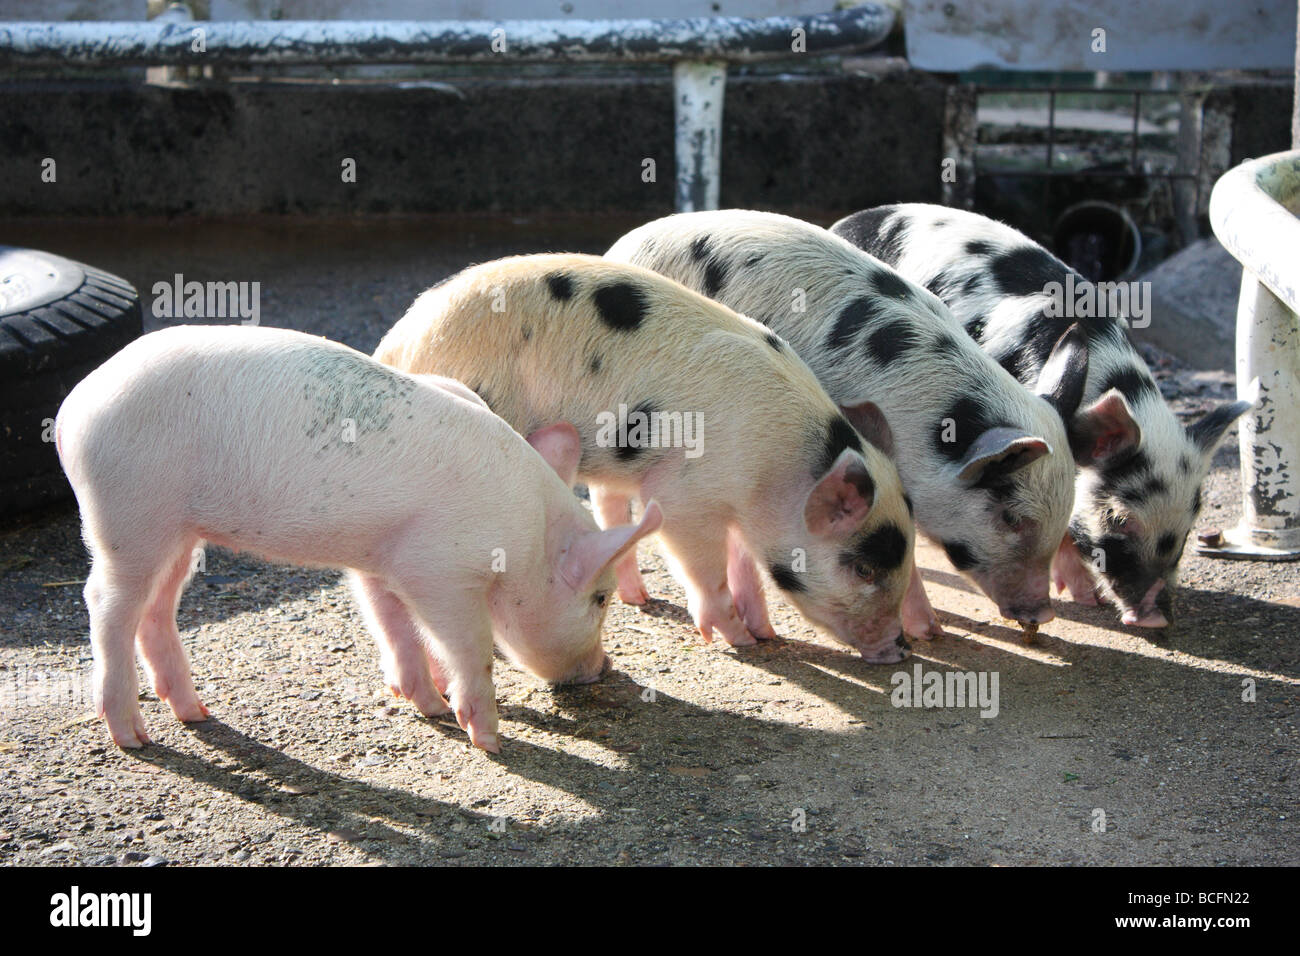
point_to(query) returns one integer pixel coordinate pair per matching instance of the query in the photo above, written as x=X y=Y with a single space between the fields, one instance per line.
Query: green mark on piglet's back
x=338 y=387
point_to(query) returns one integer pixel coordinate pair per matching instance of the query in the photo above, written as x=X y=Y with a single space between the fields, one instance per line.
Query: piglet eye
x=600 y=598
x=864 y=572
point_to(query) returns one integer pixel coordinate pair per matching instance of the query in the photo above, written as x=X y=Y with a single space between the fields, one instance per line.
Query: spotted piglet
x=984 y=461
x=678 y=398
x=1140 y=470
x=297 y=449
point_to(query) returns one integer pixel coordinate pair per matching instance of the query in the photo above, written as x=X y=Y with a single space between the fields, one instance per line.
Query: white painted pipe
x=298 y=42
x=1253 y=211
x=698 y=90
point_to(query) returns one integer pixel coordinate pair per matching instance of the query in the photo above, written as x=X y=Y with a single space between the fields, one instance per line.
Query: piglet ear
x=593 y=551
x=1209 y=430
x=1104 y=429
x=1065 y=372
x=1006 y=449
x=870 y=423
x=560 y=445
x=840 y=501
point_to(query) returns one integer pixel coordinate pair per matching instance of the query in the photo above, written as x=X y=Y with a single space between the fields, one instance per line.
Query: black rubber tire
x=59 y=321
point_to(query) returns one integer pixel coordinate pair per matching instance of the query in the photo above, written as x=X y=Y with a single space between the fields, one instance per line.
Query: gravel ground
x=790 y=752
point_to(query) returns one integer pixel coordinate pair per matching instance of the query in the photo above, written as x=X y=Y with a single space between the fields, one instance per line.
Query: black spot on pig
x=715 y=275
x=864 y=230
x=1020 y=362
x=891 y=284
x=882 y=549
x=979 y=247
x=851 y=320
x=755 y=259
x=1124 y=566
x=775 y=341
x=1155 y=485
x=1025 y=270
x=594 y=364
x=638 y=435
x=561 y=286
x=1166 y=543
x=1132 y=383
x=700 y=248
x=1184 y=464
x=964 y=421
x=942 y=283
x=891 y=340
x=1196 y=502
x=960 y=555
x=1126 y=468
x=973 y=283
x=838 y=436
x=946 y=345
x=786 y=578
x=622 y=306
x=528 y=332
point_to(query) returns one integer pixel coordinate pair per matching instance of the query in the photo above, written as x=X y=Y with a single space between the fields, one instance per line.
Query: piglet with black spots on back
x=679 y=399
x=1140 y=470
x=985 y=462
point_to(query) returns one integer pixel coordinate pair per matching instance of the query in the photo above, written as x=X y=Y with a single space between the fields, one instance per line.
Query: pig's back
x=578 y=336
x=260 y=437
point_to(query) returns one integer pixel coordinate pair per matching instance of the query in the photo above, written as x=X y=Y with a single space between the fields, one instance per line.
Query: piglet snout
x=1147 y=614
x=1029 y=614
x=606 y=665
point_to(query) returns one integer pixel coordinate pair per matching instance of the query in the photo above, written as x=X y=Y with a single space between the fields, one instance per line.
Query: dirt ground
x=790 y=752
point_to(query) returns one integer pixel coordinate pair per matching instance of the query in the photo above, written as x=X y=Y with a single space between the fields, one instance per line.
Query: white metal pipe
x=698 y=90
x=297 y=42
x=1253 y=211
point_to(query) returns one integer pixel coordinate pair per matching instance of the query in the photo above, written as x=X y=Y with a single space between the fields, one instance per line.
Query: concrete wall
x=819 y=142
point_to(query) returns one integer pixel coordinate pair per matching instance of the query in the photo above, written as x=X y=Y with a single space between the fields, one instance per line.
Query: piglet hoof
x=481 y=727
x=631 y=588
x=426 y=700
x=731 y=628
x=1151 y=618
x=189 y=711
x=637 y=596
x=922 y=628
x=128 y=732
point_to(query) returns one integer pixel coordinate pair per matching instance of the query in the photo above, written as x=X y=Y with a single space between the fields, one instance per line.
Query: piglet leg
x=697 y=552
x=159 y=641
x=747 y=588
x=612 y=509
x=116 y=602
x=919 y=619
x=461 y=634
x=402 y=653
x=1070 y=571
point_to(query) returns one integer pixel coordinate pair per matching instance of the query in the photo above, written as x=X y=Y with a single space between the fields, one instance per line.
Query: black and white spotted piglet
x=985 y=462
x=1138 y=489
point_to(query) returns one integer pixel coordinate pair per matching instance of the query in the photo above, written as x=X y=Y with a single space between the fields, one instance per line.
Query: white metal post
x=698 y=89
